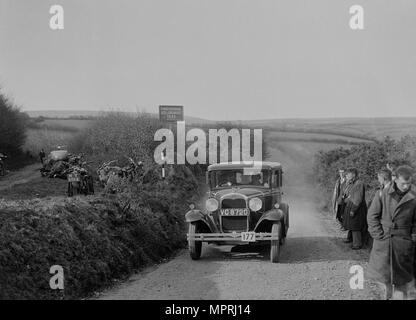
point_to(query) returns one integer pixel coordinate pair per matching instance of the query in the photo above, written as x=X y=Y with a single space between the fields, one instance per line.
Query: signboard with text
x=171 y=113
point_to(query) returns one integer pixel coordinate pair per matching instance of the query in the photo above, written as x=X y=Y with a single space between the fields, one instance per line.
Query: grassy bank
x=95 y=239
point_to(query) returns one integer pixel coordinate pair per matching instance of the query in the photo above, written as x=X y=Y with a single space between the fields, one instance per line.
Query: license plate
x=248 y=236
x=235 y=212
x=73 y=178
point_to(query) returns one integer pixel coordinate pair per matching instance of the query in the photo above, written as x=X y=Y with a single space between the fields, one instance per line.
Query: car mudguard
x=285 y=209
x=271 y=215
x=198 y=216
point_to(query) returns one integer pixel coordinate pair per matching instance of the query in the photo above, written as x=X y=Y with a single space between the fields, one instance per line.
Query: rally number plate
x=248 y=236
x=73 y=178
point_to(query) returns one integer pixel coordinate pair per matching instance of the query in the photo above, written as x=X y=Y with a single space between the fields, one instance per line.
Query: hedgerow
x=368 y=158
x=95 y=239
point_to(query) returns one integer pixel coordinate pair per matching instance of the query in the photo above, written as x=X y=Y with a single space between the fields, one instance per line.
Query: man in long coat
x=392 y=224
x=355 y=210
x=337 y=206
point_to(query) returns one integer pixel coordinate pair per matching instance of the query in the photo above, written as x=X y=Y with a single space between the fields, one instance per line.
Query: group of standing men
x=390 y=220
x=350 y=207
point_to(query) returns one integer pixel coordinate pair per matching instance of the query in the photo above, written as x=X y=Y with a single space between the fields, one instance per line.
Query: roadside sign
x=171 y=113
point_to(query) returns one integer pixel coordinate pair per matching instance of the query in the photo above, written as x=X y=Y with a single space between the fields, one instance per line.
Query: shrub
x=115 y=136
x=368 y=158
x=12 y=127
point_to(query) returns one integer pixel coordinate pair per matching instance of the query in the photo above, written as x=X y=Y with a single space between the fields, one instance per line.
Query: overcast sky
x=221 y=59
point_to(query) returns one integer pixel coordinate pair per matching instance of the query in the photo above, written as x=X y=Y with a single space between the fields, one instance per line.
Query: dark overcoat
x=355 y=202
x=337 y=205
x=391 y=225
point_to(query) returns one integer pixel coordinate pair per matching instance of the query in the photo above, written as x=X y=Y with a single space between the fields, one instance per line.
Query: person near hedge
x=355 y=209
x=392 y=224
x=42 y=156
x=384 y=177
x=337 y=202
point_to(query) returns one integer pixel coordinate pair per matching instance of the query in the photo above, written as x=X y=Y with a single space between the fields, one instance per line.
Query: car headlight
x=211 y=204
x=255 y=204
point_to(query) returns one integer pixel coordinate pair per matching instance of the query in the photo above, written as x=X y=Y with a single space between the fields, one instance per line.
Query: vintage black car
x=244 y=206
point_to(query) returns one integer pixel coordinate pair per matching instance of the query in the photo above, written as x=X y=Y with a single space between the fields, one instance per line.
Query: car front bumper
x=232 y=237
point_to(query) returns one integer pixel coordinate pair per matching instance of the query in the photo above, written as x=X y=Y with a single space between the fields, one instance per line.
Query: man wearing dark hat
x=355 y=210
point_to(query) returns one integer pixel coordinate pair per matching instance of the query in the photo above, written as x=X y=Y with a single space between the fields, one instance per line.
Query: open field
x=67 y=123
x=366 y=128
x=314 y=137
x=52 y=133
x=47 y=139
x=359 y=128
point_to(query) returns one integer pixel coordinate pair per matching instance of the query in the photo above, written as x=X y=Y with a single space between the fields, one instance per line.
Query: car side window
x=274 y=179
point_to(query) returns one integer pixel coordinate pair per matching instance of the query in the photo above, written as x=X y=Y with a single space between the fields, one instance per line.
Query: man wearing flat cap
x=355 y=210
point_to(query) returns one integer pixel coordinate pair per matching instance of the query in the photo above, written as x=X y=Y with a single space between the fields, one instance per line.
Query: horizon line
x=108 y=110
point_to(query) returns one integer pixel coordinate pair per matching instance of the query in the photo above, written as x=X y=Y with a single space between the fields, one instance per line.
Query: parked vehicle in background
x=244 y=206
x=56 y=163
x=79 y=180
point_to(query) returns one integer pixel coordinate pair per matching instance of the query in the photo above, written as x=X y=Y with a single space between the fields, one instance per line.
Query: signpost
x=171 y=113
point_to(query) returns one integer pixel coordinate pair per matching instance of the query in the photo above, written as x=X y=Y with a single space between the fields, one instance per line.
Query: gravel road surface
x=314 y=262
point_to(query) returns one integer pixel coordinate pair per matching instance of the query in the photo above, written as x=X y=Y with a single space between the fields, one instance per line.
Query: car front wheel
x=275 y=244
x=195 y=247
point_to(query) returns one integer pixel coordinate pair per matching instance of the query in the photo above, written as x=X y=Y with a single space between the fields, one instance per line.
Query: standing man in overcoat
x=392 y=224
x=337 y=203
x=355 y=210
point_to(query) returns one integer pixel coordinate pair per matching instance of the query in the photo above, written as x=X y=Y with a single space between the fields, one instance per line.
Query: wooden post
x=163 y=165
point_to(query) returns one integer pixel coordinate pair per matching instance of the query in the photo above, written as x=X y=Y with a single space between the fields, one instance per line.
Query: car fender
x=285 y=209
x=270 y=216
x=198 y=216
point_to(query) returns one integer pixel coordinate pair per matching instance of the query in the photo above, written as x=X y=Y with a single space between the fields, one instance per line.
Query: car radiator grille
x=233 y=223
x=233 y=203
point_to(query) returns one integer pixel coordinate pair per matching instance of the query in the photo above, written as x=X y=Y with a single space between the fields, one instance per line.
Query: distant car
x=244 y=206
x=55 y=163
x=59 y=155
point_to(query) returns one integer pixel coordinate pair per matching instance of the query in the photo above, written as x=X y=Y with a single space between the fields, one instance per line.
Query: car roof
x=244 y=164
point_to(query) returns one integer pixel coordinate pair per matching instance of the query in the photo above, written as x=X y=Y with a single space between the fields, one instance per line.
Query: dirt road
x=21 y=176
x=315 y=263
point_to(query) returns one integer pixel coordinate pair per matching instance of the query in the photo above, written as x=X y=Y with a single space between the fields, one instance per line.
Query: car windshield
x=229 y=178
